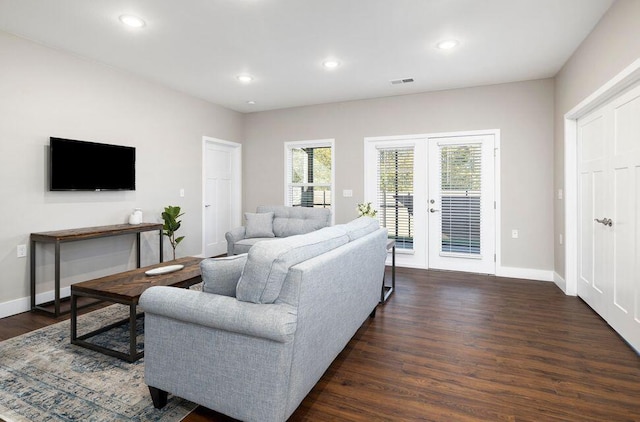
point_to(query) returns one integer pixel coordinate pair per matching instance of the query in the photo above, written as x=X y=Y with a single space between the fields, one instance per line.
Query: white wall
x=43 y=93
x=523 y=112
x=610 y=47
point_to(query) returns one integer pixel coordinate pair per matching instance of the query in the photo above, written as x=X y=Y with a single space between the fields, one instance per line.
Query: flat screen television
x=90 y=166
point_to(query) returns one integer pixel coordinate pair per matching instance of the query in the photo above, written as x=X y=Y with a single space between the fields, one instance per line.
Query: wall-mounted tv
x=90 y=166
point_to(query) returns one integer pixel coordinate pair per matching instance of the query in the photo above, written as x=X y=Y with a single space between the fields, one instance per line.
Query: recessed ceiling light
x=330 y=64
x=245 y=79
x=251 y=102
x=132 y=21
x=447 y=44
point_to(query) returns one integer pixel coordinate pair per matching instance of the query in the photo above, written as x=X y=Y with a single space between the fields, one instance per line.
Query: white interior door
x=593 y=247
x=221 y=194
x=609 y=212
x=461 y=203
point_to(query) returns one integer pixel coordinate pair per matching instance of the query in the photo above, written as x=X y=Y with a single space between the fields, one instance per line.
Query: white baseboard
x=23 y=304
x=560 y=282
x=511 y=272
x=526 y=273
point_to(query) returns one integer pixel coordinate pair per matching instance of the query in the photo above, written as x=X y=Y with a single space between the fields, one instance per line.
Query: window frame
x=318 y=143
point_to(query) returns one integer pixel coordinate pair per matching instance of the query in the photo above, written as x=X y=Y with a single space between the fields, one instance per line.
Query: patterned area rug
x=45 y=378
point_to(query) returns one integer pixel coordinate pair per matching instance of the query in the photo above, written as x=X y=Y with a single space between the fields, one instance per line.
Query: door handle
x=605 y=221
x=433 y=210
x=207 y=205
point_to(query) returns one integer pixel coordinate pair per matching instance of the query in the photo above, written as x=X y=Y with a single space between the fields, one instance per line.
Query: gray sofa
x=274 y=221
x=267 y=324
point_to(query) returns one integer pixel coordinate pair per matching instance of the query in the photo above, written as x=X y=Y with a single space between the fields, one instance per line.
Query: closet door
x=609 y=213
x=624 y=147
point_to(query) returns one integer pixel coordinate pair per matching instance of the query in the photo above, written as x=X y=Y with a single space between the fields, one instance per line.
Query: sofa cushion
x=360 y=227
x=221 y=275
x=259 y=224
x=268 y=262
x=290 y=221
x=243 y=246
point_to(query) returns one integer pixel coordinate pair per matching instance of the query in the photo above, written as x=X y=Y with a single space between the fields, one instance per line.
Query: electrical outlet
x=21 y=251
x=514 y=234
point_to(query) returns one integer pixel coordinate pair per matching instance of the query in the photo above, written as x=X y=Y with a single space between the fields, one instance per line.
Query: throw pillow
x=259 y=224
x=221 y=275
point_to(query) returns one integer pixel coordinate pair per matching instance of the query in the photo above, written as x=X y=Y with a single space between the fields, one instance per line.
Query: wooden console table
x=73 y=235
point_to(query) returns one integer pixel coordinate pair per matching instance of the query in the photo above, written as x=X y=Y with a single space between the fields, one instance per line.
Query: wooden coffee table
x=125 y=288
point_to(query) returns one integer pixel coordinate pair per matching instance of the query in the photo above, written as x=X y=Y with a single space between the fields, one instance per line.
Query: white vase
x=136 y=216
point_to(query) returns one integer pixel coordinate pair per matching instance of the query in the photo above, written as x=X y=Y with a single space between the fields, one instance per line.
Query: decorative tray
x=164 y=270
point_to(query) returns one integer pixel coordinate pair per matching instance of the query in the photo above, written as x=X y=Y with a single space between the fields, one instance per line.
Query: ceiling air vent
x=401 y=81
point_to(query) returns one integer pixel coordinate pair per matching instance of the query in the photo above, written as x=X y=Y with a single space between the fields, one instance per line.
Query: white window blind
x=309 y=176
x=460 y=198
x=395 y=194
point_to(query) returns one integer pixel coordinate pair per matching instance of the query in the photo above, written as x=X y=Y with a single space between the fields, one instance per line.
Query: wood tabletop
x=93 y=232
x=128 y=286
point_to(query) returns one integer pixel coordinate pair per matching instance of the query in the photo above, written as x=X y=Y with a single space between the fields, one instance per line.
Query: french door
x=609 y=213
x=461 y=210
x=435 y=194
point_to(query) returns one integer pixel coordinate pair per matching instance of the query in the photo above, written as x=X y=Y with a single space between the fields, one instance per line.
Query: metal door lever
x=605 y=221
x=433 y=210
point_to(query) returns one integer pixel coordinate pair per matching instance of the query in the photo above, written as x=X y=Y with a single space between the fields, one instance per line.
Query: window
x=460 y=198
x=395 y=193
x=309 y=174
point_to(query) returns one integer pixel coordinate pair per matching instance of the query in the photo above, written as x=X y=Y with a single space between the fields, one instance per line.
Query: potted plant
x=366 y=210
x=171 y=225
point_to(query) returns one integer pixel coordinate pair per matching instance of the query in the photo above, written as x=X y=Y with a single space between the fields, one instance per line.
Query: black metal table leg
x=132 y=333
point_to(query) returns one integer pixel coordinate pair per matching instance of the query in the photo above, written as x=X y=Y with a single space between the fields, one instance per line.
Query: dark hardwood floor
x=461 y=347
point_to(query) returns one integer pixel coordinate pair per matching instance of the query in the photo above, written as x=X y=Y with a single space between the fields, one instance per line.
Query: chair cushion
x=243 y=246
x=268 y=262
x=259 y=224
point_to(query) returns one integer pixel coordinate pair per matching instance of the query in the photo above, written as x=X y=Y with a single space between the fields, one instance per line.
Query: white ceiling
x=200 y=46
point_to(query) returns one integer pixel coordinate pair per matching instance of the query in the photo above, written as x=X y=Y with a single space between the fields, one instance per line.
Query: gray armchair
x=275 y=221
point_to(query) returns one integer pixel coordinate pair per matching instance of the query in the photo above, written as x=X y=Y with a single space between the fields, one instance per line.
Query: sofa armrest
x=233 y=236
x=275 y=322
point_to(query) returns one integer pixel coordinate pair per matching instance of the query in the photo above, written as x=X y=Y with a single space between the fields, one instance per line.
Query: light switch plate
x=21 y=251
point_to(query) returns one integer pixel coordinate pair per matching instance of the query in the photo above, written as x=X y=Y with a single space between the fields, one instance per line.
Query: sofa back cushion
x=361 y=226
x=290 y=221
x=268 y=262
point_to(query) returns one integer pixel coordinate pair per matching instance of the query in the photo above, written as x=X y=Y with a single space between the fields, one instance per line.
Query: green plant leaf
x=179 y=239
